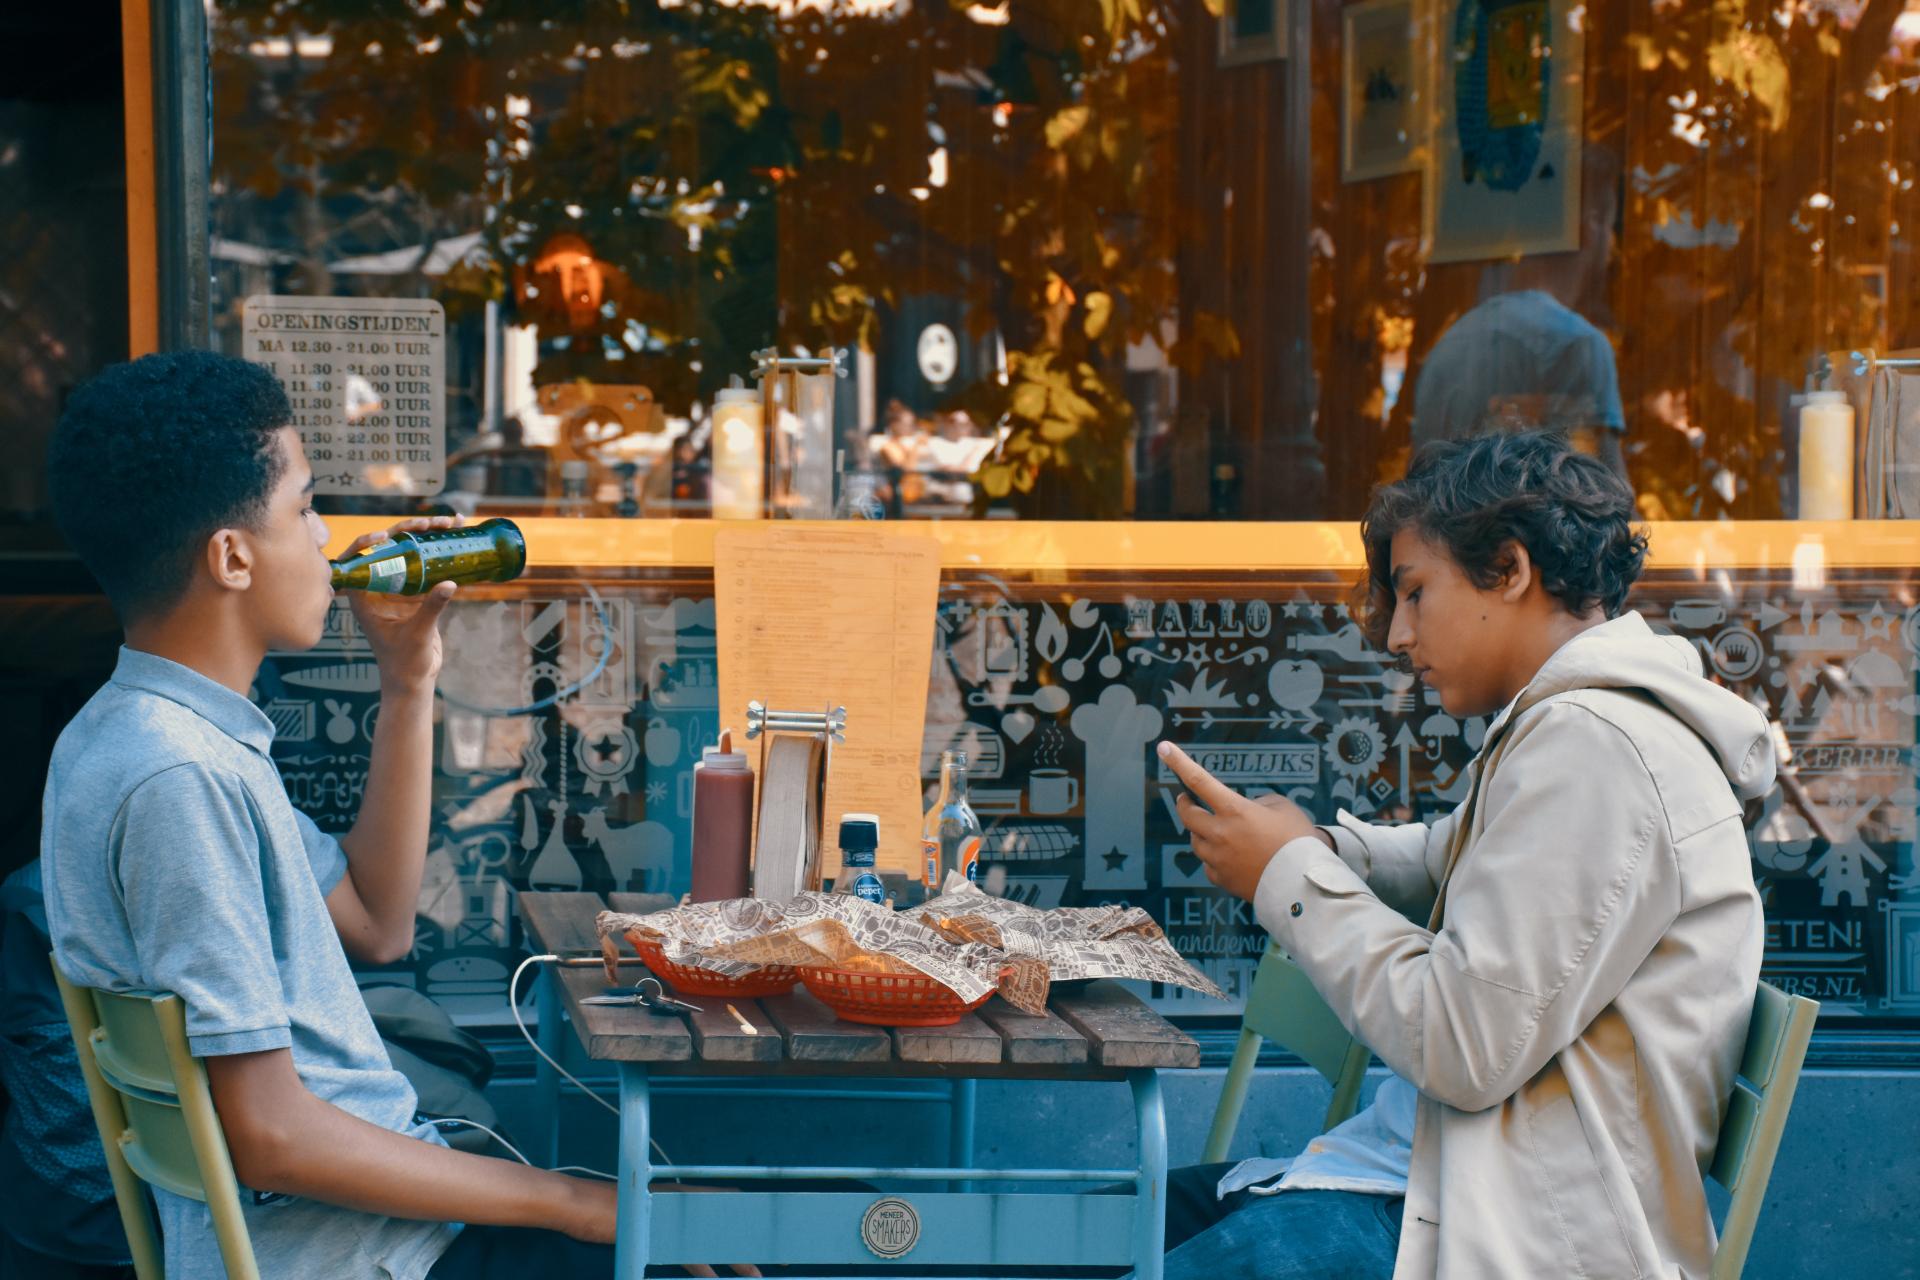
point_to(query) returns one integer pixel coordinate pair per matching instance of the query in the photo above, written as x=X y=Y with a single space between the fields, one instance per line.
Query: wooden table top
x=1098 y=1031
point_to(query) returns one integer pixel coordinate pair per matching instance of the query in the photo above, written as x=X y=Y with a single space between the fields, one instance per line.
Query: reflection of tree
x=1763 y=162
x=1762 y=174
x=1758 y=206
x=747 y=178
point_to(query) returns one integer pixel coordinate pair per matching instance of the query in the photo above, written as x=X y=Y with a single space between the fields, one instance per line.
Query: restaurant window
x=63 y=278
x=1211 y=274
x=63 y=314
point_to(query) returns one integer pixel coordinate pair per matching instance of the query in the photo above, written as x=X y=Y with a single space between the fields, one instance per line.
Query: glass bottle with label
x=950 y=836
x=409 y=564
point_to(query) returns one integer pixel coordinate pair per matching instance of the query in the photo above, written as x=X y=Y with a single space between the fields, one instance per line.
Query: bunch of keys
x=649 y=994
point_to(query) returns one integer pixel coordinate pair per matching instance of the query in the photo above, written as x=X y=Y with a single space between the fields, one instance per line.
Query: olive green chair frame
x=1283 y=1007
x=156 y=1119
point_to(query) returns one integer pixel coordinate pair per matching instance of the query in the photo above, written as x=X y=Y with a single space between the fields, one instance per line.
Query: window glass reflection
x=1118 y=261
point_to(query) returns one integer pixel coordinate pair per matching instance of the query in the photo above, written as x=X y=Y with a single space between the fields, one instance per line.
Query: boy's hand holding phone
x=1235 y=837
x=404 y=631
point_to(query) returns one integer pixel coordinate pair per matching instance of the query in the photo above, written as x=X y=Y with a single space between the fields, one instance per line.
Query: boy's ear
x=1519 y=572
x=229 y=558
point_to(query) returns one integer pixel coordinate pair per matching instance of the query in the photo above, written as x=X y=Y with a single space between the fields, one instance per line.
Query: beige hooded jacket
x=1574 y=1007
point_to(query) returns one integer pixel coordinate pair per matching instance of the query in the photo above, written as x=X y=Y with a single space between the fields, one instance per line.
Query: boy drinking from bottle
x=174 y=862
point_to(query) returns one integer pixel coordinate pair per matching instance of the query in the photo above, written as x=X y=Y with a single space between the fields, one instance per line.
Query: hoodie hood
x=1625 y=653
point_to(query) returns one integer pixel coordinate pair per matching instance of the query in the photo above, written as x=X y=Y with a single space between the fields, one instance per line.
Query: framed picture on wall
x=1504 y=175
x=1379 y=92
x=1253 y=31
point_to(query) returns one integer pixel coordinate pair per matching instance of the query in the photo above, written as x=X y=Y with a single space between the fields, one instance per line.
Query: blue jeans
x=511 y=1253
x=1296 y=1235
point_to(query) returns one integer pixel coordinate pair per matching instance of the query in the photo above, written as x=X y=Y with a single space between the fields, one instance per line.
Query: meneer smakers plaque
x=367 y=380
x=890 y=1228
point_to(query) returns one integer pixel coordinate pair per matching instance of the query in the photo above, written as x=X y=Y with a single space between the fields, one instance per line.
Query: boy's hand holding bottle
x=403 y=631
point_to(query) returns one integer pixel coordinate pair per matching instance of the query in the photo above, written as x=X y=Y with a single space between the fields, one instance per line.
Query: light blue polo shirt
x=173 y=861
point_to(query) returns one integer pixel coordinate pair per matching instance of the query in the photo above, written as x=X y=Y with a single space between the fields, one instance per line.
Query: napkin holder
x=796 y=754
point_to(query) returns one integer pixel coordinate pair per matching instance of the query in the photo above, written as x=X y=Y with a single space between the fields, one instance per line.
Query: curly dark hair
x=1572 y=513
x=151 y=458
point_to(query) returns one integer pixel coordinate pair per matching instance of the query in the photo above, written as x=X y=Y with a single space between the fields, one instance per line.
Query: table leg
x=960 y=1141
x=633 y=1226
x=546 y=1081
x=1150 y=1217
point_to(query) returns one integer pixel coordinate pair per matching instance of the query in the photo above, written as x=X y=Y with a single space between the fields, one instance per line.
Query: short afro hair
x=1571 y=512
x=151 y=458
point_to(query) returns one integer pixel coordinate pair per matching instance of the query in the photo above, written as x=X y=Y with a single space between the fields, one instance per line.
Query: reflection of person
x=1516 y=362
x=173 y=860
x=1534 y=353
x=1560 y=972
x=898 y=446
x=895 y=452
x=952 y=456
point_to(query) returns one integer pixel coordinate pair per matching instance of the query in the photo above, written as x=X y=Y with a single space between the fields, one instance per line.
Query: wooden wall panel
x=1244 y=209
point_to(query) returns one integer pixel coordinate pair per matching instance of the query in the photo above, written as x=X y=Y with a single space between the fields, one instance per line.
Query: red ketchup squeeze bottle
x=722 y=822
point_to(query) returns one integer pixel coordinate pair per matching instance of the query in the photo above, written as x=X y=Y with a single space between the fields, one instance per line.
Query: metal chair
x=1756 y=1116
x=156 y=1119
x=1283 y=1007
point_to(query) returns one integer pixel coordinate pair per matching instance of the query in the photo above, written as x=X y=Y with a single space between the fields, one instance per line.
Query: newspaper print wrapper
x=837 y=931
x=1074 y=942
x=967 y=941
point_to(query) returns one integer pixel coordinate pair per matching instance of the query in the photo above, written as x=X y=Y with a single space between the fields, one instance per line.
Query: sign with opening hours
x=367 y=381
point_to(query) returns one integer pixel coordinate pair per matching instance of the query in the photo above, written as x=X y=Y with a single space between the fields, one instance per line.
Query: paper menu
x=817 y=616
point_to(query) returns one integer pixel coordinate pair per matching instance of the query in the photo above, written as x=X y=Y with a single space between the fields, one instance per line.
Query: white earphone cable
x=513 y=1003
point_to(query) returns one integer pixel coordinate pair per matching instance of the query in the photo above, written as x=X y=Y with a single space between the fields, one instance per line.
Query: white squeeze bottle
x=739 y=453
x=1826 y=456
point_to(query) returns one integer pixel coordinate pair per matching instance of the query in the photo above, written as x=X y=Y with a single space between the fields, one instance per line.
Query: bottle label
x=387 y=575
x=930 y=852
x=867 y=885
x=970 y=860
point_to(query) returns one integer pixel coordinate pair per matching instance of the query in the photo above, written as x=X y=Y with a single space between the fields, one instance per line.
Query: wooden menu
x=818 y=616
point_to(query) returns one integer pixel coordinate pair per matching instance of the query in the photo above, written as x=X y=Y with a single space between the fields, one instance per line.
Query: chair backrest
x=1756 y=1116
x=156 y=1118
x=1283 y=1007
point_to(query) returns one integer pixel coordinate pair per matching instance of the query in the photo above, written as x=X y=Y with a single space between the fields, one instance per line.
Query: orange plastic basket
x=887 y=999
x=770 y=980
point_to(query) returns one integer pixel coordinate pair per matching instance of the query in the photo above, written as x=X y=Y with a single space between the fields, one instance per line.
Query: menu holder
x=826 y=616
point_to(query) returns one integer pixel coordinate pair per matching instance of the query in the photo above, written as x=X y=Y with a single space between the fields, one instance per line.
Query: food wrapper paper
x=968 y=941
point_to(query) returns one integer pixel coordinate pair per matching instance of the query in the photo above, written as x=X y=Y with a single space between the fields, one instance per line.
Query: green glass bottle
x=411 y=563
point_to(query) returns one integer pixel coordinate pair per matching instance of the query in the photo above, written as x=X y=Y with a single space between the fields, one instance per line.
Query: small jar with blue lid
x=859 y=844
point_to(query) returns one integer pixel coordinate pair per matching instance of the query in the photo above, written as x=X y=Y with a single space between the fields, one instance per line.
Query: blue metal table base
x=550 y=1033
x=550 y=1036
x=956 y=1227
